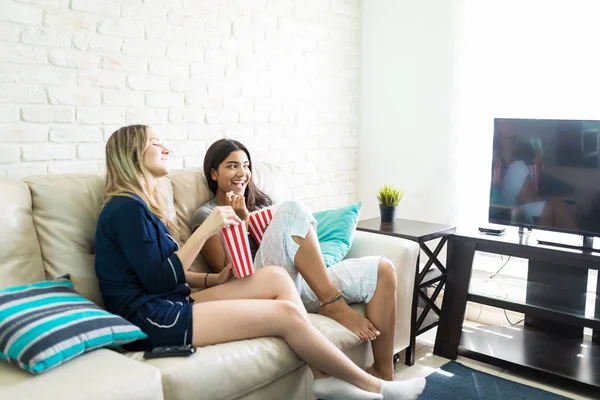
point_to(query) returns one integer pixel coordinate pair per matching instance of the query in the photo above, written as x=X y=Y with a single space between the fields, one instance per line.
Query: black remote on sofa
x=170 y=351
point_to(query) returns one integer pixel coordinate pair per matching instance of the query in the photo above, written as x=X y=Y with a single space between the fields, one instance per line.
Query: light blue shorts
x=355 y=279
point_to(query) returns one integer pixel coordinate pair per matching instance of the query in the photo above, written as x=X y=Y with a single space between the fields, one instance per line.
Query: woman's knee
x=290 y=314
x=387 y=272
x=292 y=206
x=276 y=276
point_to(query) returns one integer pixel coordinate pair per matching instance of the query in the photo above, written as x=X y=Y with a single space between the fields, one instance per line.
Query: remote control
x=491 y=231
x=170 y=351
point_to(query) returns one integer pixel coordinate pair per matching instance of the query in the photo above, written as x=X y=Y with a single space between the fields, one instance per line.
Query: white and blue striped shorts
x=355 y=278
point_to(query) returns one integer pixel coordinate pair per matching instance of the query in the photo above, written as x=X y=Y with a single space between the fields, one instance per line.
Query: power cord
x=513 y=324
x=500 y=269
x=492 y=277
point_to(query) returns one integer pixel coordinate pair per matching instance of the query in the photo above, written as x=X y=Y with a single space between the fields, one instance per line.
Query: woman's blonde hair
x=126 y=173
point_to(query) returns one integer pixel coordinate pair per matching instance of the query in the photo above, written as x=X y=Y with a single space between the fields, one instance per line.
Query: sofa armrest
x=403 y=254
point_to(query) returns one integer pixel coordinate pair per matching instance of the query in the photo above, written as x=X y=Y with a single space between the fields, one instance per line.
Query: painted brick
x=69 y=134
x=146 y=116
x=21 y=13
x=73 y=59
x=70 y=21
x=48 y=152
x=185 y=53
x=19 y=93
x=8 y=32
x=46 y=37
x=182 y=116
x=100 y=115
x=9 y=153
x=23 y=133
x=74 y=96
x=97 y=43
x=109 y=8
x=19 y=54
x=21 y=170
x=164 y=99
x=48 y=75
x=169 y=68
x=121 y=28
x=138 y=47
x=103 y=79
x=281 y=76
x=91 y=151
x=141 y=82
x=73 y=167
x=122 y=98
x=47 y=114
x=165 y=33
x=123 y=63
x=8 y=113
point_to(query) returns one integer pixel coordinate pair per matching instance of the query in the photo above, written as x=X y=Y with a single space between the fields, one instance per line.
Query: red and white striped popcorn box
x=259 y=221
x=237 y=247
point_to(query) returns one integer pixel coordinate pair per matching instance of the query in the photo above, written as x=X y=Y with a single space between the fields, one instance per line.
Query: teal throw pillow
x=45 y=324
x=335 y=230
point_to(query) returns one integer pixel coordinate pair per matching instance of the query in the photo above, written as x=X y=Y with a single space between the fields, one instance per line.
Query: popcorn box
x=237 y=248
x=259 y=222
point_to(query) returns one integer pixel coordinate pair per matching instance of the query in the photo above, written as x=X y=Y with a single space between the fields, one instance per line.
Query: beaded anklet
x=332 y=300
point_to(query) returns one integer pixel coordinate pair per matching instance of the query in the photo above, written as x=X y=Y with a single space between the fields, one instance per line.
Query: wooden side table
x=421 y=232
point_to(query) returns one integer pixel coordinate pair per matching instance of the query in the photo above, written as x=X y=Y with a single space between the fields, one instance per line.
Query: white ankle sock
x=336 y=389
x=402 y=390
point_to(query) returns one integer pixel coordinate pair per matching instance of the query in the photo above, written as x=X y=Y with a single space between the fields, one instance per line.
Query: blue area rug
x=456 y=381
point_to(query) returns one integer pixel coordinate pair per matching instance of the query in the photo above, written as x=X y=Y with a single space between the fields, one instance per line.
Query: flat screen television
x=546 y=175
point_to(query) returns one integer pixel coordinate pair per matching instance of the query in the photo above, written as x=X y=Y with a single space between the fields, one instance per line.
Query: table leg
x=411 y=349
x=460 y=261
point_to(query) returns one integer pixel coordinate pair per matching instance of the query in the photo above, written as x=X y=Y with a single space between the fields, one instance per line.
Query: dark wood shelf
x=520 y=346
x=545 y=301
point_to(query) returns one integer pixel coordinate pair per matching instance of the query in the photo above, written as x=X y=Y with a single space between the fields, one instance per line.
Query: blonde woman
x=144 y=277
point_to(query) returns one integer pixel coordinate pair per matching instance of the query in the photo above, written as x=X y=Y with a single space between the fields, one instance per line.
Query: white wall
x=437 y=73
x=406 y=103
x=281 y=76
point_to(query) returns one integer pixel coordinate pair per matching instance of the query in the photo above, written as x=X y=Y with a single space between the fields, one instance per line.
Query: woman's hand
x=225 y=275
x=218 y=219
x=238 y=203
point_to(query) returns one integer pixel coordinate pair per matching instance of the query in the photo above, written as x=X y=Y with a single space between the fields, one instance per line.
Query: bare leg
x=311 y=266
x=232 y=320
x=266 y=283
x=286 y=317
x=381 y=310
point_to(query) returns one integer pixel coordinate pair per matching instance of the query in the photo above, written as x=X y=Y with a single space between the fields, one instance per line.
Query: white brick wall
x=280 y=76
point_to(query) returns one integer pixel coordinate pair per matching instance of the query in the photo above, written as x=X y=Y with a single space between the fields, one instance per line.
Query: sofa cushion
x=228 y=370
x=45 y=324
x=100 y=374
x=65 y=213
x=20 y=255
x=335 y=230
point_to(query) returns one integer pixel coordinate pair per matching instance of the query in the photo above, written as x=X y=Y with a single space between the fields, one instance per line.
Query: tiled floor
x=427 y=362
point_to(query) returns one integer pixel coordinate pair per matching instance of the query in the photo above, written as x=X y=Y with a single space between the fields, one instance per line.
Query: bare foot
x=341 y=312
x=372 y=370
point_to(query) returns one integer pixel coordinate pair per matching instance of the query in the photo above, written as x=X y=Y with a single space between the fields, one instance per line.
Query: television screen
x=546 y=175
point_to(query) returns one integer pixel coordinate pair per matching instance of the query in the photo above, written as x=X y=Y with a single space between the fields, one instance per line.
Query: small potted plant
x=389 y=197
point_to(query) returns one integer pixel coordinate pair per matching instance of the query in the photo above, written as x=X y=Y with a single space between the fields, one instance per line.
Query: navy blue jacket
x=135 y=257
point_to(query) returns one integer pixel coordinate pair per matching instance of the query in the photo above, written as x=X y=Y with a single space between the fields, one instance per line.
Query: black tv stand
x=552 y=340
x=587 y=243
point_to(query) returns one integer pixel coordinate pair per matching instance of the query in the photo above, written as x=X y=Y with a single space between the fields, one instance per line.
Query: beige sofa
x=47 y=228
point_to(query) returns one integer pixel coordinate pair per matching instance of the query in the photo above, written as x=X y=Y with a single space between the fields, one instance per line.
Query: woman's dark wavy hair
x=215 y=155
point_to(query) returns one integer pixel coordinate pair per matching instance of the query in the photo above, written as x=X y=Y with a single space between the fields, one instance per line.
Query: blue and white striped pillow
x=45 y=324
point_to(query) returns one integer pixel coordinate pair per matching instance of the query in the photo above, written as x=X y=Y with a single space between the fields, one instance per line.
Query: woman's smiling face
x=234 y=173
